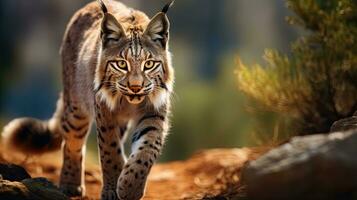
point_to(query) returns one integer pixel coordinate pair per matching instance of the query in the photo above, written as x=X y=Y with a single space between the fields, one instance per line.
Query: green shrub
x=317 y=84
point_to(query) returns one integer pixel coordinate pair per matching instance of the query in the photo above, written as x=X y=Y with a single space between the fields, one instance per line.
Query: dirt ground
x=210 y=174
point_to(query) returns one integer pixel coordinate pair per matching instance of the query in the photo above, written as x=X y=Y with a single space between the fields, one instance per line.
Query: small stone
x=345 y=124
x=13 y=172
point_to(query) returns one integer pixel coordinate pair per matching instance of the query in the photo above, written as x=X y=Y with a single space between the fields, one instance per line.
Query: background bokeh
x=206 y=36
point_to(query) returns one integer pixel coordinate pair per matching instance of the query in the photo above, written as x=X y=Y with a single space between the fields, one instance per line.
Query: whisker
x=123 y=88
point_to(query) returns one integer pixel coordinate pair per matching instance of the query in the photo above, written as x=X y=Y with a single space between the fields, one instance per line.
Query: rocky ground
x=210 y=174
x=321 y=166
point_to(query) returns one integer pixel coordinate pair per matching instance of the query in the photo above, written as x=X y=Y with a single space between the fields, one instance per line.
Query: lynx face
x=135 y=76
x=134 y=62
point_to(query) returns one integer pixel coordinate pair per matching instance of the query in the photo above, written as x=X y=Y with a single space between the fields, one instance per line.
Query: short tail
x=32 y=136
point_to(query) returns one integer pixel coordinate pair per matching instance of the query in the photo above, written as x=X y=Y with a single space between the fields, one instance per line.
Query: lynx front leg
x=111 y=150
x=147 y=144
x=75 y=127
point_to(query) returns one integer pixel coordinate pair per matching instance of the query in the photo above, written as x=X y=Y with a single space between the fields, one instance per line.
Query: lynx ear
x=158 y=29
x=112 y=31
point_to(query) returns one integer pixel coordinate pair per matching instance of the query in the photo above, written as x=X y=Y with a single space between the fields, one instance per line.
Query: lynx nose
x=135 y=88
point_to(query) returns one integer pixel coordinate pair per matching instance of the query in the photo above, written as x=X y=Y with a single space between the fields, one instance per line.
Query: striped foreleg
x=147 y=144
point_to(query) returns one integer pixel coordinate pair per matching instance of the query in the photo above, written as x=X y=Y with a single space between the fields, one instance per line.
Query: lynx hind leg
x=147 y=145
x=75 y=126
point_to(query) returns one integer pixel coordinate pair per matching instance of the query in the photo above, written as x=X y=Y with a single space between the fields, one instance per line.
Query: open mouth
x=135 y=98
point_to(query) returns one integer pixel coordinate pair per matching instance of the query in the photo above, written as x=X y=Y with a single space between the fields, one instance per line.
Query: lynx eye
x=119 y=65
x=122 y=64
x=149 y=65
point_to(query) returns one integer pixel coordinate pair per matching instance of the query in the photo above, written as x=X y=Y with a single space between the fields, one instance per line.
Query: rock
x=345 y=124
x=44 y=189
x=13 y=172
x=14 y=191
x=310 y=167
x=30 y=189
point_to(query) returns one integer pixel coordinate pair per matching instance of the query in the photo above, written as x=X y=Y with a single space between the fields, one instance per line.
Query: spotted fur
x=117 y=73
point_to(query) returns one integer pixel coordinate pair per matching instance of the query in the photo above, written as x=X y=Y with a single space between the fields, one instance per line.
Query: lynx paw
x=128 y=190
x=109 y=195
x=72 y=190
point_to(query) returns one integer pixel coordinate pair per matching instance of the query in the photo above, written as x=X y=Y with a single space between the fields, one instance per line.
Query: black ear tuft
x=167 y=6
x=102 y=6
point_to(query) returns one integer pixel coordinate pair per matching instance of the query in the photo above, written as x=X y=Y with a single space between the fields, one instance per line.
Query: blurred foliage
x=207 y=114
x=317 y=84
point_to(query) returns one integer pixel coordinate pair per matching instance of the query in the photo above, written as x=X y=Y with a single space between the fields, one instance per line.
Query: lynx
x=117 y=72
